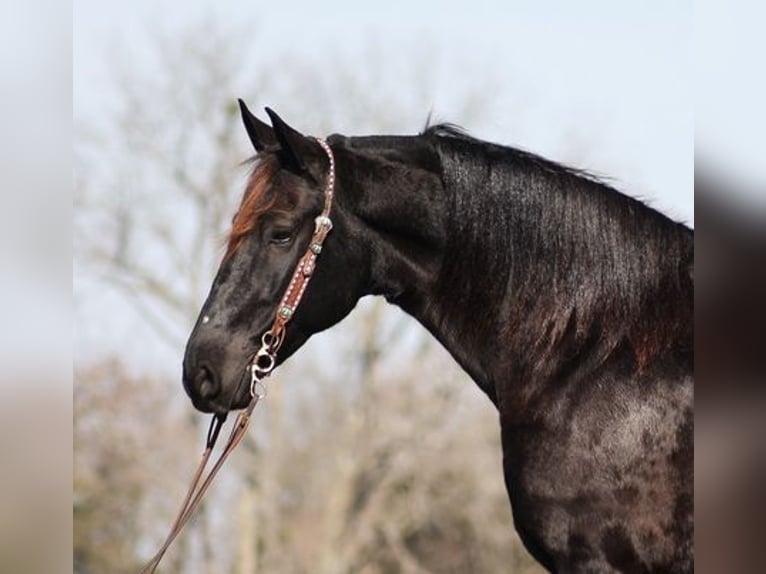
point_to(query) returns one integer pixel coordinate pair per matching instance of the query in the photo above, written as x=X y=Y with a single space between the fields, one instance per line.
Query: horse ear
x=260 y=133
x=297 y=149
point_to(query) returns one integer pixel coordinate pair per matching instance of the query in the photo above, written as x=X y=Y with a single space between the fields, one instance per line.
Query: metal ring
x=268 y=339
x=262 y=366
x=271 y=341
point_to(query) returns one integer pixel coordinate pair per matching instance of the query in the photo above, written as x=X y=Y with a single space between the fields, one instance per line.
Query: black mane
x=579 y=264
x=450 y=130
x=447 y=130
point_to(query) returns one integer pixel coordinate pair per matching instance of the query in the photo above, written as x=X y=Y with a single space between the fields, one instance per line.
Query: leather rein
x=260 y=367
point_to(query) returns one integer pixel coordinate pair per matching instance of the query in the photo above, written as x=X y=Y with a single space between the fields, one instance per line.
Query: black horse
x=567 y=302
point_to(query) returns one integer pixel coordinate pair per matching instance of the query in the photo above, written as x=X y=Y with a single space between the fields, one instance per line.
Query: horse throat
x=404 y=210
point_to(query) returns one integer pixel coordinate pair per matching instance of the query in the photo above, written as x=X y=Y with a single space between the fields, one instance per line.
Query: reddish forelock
x=256 y=200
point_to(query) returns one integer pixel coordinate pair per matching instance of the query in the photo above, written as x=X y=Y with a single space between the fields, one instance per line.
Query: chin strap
x=261 y=366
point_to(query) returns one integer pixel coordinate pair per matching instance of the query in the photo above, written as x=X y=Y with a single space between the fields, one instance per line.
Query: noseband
x=260 y=367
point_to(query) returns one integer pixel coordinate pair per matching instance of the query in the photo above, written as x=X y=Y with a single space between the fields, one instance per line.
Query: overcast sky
x=614 y=77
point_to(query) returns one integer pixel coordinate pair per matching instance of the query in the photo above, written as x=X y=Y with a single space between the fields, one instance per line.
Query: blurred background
x=373 y=453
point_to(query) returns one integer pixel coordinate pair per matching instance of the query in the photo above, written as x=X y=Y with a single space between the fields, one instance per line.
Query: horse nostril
x=206 y=383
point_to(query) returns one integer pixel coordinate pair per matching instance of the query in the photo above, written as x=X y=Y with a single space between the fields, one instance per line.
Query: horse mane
x=454 y=131
x=578 y=266
x=447 y=130
x=257 y=199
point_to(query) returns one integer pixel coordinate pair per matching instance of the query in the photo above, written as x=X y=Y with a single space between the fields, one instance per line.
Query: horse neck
x=394 y=188
x=508 y=259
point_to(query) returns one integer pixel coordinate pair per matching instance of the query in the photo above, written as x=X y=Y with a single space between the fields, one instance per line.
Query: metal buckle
x=322 y=221
x=262 y=364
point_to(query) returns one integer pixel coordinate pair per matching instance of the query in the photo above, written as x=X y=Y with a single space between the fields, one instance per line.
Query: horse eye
x=281 y=237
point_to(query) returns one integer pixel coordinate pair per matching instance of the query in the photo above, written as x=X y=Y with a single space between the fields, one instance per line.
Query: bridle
x=265 y=359
x=261 y=366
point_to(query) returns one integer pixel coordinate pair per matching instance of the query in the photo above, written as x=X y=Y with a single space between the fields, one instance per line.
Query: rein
x=261 y=366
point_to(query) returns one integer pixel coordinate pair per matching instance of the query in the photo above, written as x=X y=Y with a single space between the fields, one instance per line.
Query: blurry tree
x=386 y=462
x=154 y=188
x=127 y=446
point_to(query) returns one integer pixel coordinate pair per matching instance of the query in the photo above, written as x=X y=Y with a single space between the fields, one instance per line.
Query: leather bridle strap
x=264 y=360
x=262 y=364
x=306 y=265
x=199 y=486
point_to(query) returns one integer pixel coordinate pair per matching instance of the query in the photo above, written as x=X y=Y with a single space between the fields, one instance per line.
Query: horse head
x=270 y=233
